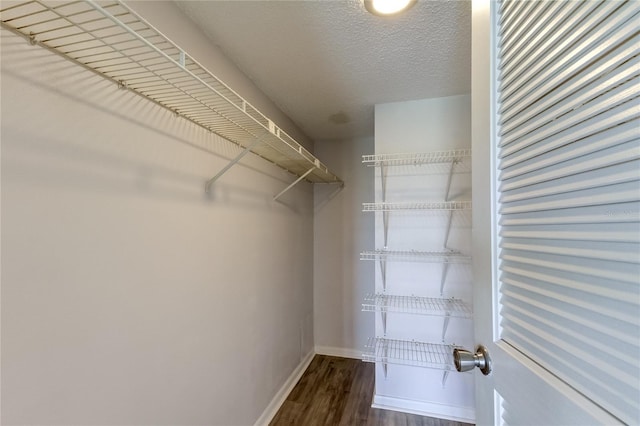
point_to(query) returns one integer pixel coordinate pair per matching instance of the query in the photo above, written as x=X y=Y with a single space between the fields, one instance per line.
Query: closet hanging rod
x=108 y=38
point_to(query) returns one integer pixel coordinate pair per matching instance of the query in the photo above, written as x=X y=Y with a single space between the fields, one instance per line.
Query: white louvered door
x=556 y=124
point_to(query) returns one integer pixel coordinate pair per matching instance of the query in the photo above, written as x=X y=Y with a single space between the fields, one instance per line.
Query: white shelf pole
x=294 y=183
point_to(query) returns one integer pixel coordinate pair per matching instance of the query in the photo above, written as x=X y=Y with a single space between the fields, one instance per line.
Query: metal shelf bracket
x=453 y=165
x=385 y=214
x=448 y=229
x=445 y=270
x=383 y=272
x=383 y=182
x=294 y=183
x=445 y=375
x=385 y=365
x=445 y=325
x=232 y=163
x=383 y=314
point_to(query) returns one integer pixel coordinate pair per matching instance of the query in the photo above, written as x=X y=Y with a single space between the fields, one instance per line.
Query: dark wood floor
x=338 y=391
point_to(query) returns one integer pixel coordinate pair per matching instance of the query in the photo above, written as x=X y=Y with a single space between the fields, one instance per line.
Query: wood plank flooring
x=338 y=391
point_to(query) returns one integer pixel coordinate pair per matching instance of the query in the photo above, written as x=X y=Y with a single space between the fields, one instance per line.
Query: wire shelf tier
x=437 y=206
x=416 y=256
x=110 y=39
x=416 y=305
x=416 y=159
x=411 y=353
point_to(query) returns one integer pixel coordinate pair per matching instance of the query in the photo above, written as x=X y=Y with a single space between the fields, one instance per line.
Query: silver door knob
x=465 y=360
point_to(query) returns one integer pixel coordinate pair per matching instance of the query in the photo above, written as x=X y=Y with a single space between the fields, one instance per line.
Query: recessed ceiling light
x=387 y=7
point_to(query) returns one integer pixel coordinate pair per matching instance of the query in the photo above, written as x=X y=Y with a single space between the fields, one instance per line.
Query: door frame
x=483 y=193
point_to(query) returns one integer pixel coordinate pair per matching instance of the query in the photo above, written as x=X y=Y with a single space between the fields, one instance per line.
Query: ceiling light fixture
x=387 y=7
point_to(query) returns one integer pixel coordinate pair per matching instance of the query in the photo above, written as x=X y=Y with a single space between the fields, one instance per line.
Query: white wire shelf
x=416 y=159
x=431 y=206
x=411 y=353
x=416 y=256
x=451 y=307
x=110 y=39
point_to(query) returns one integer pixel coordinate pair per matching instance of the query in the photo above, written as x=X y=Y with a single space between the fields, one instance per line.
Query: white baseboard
x=341 y=352
x=430 y=409
x=269 y=413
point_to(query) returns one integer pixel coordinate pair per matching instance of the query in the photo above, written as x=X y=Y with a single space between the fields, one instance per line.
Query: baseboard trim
x=269 y=413
x=341 y=352
x=430 y=409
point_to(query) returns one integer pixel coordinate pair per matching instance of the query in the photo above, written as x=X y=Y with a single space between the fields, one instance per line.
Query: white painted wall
x=341 y=232
x=424 y=126
x=128 y=296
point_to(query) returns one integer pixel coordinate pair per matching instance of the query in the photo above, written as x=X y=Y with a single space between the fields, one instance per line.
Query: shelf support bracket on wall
x=453 y=165
x=385 y=365
x=385 y=214
x=294 y=183
x=445 y=269
x=383 y=314
x=385 y=224
x=445 y=325
x=445 y=375
x=446 y=233
x=383 y=182
x=383 y=272
x=233 y=162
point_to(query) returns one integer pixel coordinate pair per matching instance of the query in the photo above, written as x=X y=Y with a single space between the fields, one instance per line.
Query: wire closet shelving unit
x=428 y=206
x=110 y=39
x=447 y=256
x=410 y=353
x=405 y=352
x=458 y=156
x=383 y=350
x=381 y=302
x=454 y=161
x=446 y=308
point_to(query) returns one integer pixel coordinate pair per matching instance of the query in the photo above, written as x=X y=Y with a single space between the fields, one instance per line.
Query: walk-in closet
x=319 y=212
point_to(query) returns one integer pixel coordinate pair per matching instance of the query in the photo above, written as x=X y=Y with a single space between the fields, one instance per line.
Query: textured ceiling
x=327 y=63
